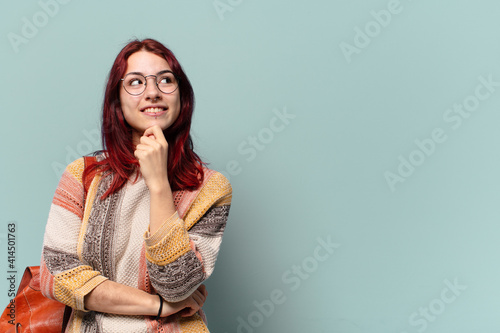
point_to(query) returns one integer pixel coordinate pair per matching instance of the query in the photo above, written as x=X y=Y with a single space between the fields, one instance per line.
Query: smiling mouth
x=154 y=110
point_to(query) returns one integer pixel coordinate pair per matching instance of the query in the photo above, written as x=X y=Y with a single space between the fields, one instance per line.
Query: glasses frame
x=146 y=82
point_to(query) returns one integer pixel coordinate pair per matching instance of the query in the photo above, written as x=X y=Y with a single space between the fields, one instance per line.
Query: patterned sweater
x=88 y=240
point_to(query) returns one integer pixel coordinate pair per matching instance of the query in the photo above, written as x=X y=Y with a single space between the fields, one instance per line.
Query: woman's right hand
x=187 y=307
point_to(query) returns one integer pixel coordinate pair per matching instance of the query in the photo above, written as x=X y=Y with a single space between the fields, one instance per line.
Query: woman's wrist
x=160 y=308
x=153 y=306
x=159 y=186
x=161 y=208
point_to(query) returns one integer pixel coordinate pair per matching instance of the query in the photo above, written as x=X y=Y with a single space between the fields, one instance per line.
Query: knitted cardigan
x=88 y=240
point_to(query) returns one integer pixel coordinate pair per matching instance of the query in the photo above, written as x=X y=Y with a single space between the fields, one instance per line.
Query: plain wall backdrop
x=360 y=137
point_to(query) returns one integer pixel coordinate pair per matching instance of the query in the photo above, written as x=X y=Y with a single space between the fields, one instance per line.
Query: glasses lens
x=167 y=83
x=134 y=84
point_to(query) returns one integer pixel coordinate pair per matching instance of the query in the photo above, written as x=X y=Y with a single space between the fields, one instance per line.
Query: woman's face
x=152 y=107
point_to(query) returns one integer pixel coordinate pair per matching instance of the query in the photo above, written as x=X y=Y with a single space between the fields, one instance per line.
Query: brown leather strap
x=67 y=314
x=89 y=162
x=25 y=280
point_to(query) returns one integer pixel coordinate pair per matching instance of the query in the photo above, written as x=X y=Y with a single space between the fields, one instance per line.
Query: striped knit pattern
x=88 y=240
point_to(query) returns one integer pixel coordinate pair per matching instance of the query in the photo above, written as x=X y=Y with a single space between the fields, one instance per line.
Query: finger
x=143 y=147
x=192 y=306
x=203 y=297
x=139 y=154
x=156 y=132
x=149 y=141
x=188 y=312
x=198 y=298
x=203 y=290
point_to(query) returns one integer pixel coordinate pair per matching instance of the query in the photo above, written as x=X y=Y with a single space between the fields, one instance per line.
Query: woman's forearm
x=161 y=206
x=116 y=298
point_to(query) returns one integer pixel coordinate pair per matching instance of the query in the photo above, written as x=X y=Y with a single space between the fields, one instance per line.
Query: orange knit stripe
x=69 y=194
x=46 y=281
x=193 y=324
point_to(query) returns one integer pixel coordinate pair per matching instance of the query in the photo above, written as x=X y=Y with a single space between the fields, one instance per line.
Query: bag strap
x=66 y=316
x=25 y=280
x=89 y=162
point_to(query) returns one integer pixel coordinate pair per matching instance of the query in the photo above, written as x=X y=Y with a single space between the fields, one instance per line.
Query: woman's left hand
x=187 y=307
x=152 y=154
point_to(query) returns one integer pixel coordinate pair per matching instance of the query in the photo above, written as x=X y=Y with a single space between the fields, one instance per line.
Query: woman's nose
x=152 y=90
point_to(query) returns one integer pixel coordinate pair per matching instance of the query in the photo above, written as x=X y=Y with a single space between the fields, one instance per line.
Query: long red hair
x=185 y=168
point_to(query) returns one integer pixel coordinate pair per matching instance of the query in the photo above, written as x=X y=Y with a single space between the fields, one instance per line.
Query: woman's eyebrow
x=164 y=71
x=160 y=72
x=135 y=73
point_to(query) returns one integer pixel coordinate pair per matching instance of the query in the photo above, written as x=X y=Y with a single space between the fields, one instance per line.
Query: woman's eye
x=135 y=82
x=166 y=80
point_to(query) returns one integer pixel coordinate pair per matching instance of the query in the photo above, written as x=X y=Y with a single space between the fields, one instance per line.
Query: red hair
x=185 y=168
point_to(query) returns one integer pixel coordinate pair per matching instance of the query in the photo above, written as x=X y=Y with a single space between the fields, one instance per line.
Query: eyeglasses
x=135 y=83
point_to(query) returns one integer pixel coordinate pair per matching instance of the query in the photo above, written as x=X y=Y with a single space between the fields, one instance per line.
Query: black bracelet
x=161 y=307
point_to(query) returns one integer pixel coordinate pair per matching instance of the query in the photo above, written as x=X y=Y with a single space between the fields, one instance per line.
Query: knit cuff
x=91 y=285
x=155 y=238
x=168 y=243
x=71 y=287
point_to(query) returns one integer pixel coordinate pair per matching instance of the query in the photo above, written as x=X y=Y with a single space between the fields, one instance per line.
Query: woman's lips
x=155 y=112
x=153 y=109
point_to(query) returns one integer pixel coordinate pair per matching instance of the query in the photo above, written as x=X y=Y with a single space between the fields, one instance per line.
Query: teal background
x=321 y=176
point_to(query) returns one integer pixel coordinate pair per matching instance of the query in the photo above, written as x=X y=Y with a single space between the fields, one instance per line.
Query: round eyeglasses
x=135 y=83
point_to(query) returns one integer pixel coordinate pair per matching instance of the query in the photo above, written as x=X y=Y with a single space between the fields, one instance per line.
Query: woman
x=133 y=232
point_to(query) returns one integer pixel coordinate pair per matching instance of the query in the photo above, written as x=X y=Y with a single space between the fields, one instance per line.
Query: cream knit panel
x=61 y=231
x=133 y=221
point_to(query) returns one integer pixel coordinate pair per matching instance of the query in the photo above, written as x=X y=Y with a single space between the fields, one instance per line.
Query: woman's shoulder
x=97 y=156
x=77 y=167
x=215 y=187
x=215 y=191
x=214 y=178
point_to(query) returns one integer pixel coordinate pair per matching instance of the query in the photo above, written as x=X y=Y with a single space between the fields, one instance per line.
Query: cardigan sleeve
x=181 y=254
x=64 y=277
